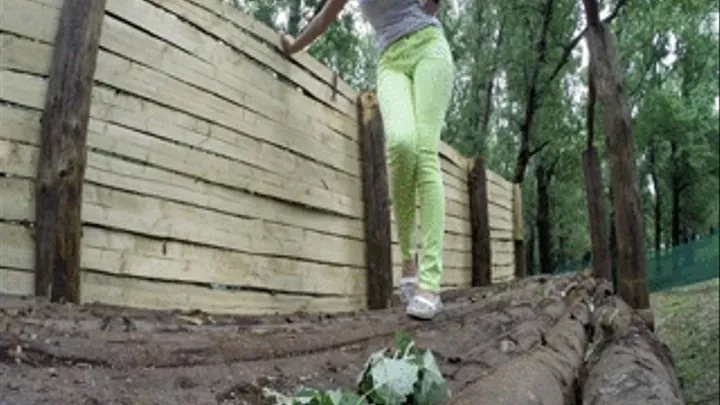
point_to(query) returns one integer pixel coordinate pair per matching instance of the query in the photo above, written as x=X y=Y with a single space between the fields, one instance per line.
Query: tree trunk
x=626 y=350
x=632 y=283
x=613 y=242
x=602 y=264
x=544 y=220
x=533 y=99
x=675 y=194
x=530 y=252
x=658 y=200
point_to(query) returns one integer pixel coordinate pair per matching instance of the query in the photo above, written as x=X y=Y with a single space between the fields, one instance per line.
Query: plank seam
x=226 y=287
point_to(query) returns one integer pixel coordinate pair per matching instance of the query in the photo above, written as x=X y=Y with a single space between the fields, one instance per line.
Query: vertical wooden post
x=480 y=224
x=519 y=232
x=377 y=204
x=62 y=161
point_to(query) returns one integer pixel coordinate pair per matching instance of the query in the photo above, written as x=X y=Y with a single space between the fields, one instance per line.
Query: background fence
x=211 y=160
x=677 y=266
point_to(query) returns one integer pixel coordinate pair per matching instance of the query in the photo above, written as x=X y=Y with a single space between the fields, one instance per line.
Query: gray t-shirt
x=393 y=19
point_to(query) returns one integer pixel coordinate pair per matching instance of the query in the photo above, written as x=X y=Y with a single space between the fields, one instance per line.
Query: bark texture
x=632 y=263
x=627 y=363
x=62 y=160
x=376 y=195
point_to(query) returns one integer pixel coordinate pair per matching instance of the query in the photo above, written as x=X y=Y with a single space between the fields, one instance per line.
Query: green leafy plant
x=407 y=375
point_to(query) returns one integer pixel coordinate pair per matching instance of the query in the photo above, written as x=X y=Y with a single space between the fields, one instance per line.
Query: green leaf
x=349 y=398
x=364 y=380
x=393 y=380
x=305 y=396
x=404 y=342
x=432 y=388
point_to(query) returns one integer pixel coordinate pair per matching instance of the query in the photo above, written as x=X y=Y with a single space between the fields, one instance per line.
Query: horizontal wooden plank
x=23 y=125
x=17 y=282
x=138 y=293
x=248 y=23
x=120 y=253
x=158 y=218
x=457 y=174
x=224 y=27
x=457 y=277
x=319 y=86
x=268 y=149
x=21 y=160
x=460 y=163
x=126 y=254
x=499 y=197
x=146 y=294
x=500 y=218
x=214 y=66
x=34 y=19
x=501 y=274
x=501 y=235
x=28 y=91
x=499 y=181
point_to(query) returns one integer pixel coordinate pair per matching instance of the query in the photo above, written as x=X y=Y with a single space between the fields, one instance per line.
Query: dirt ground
x=94 y=354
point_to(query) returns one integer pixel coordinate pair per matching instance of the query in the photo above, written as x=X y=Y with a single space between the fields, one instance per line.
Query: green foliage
x=406 y=375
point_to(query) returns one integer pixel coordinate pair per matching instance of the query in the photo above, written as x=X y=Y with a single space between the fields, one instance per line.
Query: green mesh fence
x=686 y=264
x=678 y=266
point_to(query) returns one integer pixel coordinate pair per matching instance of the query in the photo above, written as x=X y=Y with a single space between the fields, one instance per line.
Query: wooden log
x=377 y=204
x=629 y=223
x=602 y=266
x=546 y=375
x=627 y=363
x=519 y=232
x=480 y=224
x=62 y=161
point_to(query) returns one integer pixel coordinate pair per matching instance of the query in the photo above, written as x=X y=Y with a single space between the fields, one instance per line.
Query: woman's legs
x=395 y=96
x=432 y=85
x=414 y=90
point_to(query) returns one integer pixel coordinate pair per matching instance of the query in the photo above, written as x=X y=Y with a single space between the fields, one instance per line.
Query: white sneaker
x=424 y=308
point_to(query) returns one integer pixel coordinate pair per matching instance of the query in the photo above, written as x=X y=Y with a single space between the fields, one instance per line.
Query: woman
x=414 y=87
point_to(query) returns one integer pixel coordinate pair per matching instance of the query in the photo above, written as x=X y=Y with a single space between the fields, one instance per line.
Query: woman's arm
x=317 y=27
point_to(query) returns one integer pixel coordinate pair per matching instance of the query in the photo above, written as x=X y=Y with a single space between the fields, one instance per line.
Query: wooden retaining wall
x=218 y=174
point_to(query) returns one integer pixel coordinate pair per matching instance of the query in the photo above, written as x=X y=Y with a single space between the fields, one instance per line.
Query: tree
x=629 y=226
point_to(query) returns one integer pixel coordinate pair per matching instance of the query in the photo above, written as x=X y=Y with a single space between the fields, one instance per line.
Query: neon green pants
x=415 y=76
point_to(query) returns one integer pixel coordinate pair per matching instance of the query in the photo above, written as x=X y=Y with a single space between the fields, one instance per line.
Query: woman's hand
x=431 y=6
x=287 y=42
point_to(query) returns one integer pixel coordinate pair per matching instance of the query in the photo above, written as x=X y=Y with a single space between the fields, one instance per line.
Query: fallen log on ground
x=627 y=364
x=546 y=374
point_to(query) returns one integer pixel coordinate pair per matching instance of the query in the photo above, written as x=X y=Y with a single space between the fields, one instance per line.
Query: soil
x=95 y=354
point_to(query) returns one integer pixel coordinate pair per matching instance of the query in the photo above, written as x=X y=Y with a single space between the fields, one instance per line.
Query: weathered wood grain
x=480 y=225
x=376 y=195
x=61 y=163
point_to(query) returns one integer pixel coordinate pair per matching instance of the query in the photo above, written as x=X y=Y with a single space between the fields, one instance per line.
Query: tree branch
x=573 y=43
x=532 y=103
x=538 y=149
